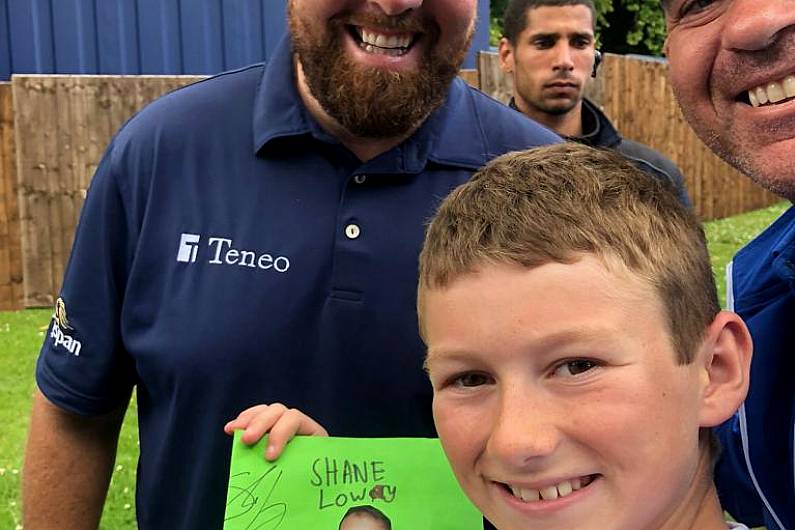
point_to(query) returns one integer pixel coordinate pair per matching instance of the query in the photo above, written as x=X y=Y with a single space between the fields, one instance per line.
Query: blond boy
x=576 y=348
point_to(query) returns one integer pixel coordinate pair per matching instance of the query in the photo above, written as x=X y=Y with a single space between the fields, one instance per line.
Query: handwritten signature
x=246 y=500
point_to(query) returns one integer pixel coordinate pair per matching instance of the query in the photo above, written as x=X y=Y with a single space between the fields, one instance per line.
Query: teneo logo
x=59 y=326
x=188 y=247
x=223 y=252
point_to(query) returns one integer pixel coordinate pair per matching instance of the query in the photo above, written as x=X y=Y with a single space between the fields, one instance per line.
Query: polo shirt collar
x=449 y=136
x=278 y=109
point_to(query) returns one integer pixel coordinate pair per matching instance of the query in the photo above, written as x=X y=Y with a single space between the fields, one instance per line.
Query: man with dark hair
x=253 y=238
x=365 y=517
x=549 y=49
x=732 y=67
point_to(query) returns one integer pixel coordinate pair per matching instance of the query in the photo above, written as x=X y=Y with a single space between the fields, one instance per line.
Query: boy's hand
x=278 y=421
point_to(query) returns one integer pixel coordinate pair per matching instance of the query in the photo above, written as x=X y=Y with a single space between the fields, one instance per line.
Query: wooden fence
x=11 y=295
x=63 y=123
x=636 y=95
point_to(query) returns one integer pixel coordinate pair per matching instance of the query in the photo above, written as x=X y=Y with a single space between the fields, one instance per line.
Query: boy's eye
x=471 y=379
x=575 y=367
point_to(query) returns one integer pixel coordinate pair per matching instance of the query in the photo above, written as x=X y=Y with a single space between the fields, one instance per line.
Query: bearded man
x=253 y=238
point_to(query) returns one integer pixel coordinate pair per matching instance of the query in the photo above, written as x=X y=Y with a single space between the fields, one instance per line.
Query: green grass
x=726 y=236
x=21 y=335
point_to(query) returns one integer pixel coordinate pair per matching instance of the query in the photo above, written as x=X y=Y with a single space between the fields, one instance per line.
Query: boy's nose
x=523 y=431
x=751 y=25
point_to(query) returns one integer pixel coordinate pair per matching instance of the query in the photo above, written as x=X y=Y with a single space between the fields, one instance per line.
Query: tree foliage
x=623 y=26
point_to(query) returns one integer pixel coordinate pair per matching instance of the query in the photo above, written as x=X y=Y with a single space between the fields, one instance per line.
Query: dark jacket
x=599 y=132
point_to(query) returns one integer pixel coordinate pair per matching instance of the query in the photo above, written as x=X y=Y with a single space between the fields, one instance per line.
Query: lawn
x=21 y=334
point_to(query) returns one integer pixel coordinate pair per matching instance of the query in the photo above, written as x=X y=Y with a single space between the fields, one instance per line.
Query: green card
x=317 y=481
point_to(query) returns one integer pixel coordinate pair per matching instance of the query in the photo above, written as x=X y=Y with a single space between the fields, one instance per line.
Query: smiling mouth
x=550 y=493
x=775 y=93
x=371 y=41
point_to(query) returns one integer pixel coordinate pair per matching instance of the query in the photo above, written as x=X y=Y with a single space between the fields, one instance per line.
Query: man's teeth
x=394 y=45
x=773 y=92
x=550 y=493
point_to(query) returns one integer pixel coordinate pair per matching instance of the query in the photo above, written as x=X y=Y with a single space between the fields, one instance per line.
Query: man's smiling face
x=379 y=67
x=733 y=71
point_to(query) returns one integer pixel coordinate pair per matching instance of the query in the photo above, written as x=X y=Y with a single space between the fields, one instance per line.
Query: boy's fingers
x=291 y=423
x=244 y=418
x=262 y=422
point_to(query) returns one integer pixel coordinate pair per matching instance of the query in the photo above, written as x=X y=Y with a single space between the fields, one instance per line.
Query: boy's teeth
x=550 y=493
x=564 y=488
x=527 y=495
x=773 y=92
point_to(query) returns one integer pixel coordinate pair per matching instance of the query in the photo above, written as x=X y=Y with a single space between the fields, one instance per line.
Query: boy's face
x=561 y=383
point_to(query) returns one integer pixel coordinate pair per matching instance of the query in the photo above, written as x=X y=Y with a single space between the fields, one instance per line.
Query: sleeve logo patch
x=60 y=315
x=59 y=327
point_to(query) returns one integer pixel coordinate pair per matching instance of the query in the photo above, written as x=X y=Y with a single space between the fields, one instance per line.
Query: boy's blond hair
x=553 y=204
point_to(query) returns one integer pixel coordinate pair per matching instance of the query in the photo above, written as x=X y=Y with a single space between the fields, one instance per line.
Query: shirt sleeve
x=83 y=366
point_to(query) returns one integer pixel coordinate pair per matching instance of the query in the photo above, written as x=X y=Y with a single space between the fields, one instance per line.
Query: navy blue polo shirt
x=231 y=252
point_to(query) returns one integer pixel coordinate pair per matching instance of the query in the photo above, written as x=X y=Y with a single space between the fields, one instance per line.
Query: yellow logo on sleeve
x=60 y=315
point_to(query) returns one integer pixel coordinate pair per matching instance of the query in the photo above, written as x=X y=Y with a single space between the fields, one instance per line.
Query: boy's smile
x=559 y=400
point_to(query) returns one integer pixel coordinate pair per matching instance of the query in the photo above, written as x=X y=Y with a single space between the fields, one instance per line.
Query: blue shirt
x=756 y=473
x=231 y=252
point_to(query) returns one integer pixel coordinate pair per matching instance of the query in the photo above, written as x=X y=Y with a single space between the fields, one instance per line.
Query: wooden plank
x=34 y=109
x=470 y=76
x=66 y=123
x=492 y=79
x=11 y=289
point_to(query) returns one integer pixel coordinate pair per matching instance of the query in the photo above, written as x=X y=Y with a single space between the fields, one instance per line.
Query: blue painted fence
x=147 y=36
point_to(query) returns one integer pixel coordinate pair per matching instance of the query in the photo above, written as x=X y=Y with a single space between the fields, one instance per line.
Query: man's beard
x=372 y=102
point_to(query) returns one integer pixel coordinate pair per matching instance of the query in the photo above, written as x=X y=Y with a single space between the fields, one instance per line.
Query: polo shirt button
x=352 y=231
x=360 y=179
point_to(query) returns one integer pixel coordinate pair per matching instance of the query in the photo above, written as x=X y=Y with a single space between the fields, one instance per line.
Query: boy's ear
x=506 y=56
x=725 y=357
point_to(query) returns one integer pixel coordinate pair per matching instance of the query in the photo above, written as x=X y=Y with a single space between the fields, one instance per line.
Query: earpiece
x=597 y=60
